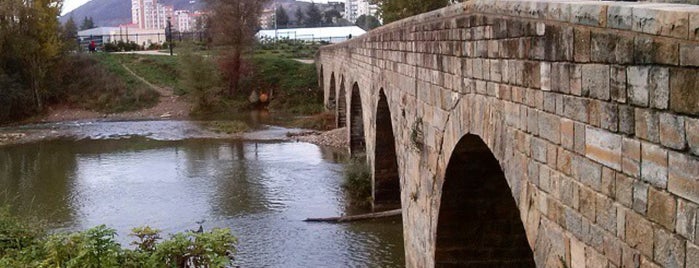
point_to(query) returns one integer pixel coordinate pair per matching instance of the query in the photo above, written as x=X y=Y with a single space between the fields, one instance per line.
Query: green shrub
x=200 y=78
x=23 y=245
x=357 y=182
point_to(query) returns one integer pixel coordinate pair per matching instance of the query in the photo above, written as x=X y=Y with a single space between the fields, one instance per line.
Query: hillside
x=113 y=12
x=116 y=12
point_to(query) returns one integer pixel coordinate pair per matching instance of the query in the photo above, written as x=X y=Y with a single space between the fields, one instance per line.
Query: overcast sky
x=69 y=5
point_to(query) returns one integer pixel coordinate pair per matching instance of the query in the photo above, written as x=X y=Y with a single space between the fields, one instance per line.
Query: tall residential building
x=356 y=8
x=148 y=14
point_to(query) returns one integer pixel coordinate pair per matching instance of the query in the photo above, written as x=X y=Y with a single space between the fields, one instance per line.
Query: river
x=172 y=175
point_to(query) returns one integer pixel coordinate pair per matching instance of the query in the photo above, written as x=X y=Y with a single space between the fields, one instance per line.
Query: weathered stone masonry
x=591 y=110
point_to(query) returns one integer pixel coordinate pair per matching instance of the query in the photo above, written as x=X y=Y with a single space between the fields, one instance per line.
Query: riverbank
x=334 y=138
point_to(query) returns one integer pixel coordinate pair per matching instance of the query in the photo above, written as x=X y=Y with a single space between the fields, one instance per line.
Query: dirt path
x=170 y=106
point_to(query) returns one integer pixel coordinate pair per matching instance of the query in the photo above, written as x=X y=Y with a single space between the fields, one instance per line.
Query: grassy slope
x=158 y=70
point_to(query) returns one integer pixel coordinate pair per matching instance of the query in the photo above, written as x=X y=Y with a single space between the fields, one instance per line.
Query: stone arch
x=386 y=182
x=356 y=127
x=331 y=93
x=479 y=222
x=341 y=109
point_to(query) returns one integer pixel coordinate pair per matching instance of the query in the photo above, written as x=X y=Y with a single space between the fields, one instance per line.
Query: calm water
x=261 y=190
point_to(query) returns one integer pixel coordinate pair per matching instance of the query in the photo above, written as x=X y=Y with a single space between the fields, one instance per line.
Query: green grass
x=158 y=70
x=99 y=82
x=113 y=65
x=294 y=84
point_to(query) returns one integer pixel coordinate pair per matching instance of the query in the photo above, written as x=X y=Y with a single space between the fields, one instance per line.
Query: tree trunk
x=369 y=216
x=235 y=73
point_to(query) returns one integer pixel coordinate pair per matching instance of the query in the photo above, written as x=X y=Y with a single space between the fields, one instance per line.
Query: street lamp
x=168 y=34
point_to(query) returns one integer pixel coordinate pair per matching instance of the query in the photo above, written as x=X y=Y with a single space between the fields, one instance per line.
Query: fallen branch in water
x=368 y=216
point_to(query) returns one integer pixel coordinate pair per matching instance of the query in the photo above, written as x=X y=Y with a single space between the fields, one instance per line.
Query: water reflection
x=261 y=190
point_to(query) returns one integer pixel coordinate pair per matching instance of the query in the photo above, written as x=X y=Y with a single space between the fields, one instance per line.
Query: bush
x=199 y=78
x=24 y=245
x=357 y=182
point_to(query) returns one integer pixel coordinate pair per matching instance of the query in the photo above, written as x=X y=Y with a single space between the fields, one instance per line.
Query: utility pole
x=168 y=34
x=275 y=21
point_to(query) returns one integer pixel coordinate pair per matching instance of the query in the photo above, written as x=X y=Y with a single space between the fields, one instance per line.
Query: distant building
x=125 y=33
x=148 y=14
x=329 y=34
x=267 y=18
x=183 y=21
x=356 y=8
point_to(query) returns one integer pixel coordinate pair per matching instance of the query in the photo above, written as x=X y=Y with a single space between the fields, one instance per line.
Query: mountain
x=115 y=12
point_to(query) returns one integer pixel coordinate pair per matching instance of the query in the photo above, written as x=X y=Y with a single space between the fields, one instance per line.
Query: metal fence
x=141 y=39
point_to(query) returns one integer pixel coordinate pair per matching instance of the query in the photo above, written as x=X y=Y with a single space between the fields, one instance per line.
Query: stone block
x=661 y=208
x=577 y=254
x=658 y=21
x=692 y=133
x=659 y=84
x=630 y=257
x=652 y=50
x=594 y=258
x=545 y=74
x=672 y=131
x=640 y=197
x=686 y=219
x=579 y=138
x=692 y=255
x=683 y=91
x=694 y=26
x=606 y=214
x=668 y=249
x=612 y=249
x=683 y=178
x=689 y=55
x=576 y=80
x=595 y=80
x=617 y=83
x=637 y=80
x=576 y=108
x=607 y=47
x=569 y=192
x=587 y=172
x=654 y=165
x=619 y=17
x=603 y=147
x=549 y=127
x=627 y=120
x=564 y=161
x=608 y=182
x=647 y=125
x=631 y=157
x=582 y=44
x=550 y=102
x=590 y=14
x=639 y=233
x=567 y=133
x=560 y=77
x=588 y=205
x=624 y=190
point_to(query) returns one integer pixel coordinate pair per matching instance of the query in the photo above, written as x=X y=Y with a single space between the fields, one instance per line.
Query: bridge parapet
x=590 y=108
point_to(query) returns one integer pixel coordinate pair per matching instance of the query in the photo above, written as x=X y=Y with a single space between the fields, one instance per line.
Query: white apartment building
x=356 y=8
x=148 y=14
x=183 y=21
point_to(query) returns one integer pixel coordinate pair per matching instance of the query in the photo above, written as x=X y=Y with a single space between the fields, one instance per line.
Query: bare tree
x=232 y=24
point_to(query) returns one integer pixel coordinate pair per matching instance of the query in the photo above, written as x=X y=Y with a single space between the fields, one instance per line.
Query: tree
x=330 y=16
x=367 y=22
x=70 y=34
x=87 y=24
x=393 y=10
x=31 y=45
x=300 y=17
x=315 y=18
x=282 y=17
x=233 y=24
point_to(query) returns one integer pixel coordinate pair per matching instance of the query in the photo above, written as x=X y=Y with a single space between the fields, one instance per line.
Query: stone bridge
x=530 y=133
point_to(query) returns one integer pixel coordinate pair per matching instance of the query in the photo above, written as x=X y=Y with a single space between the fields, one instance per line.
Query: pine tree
x=282 y=17
x=88 y=23
x=300 y=17
x=315 y=18
x=70 y=34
